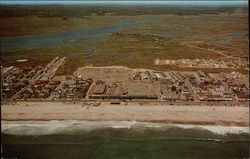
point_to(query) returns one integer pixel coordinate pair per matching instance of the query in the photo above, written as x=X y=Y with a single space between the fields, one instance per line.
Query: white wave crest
x=217 y=129
x=68 y=127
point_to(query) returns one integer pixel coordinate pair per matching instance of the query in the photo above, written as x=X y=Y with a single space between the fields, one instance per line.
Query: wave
x=72 y=127
x=220 y=130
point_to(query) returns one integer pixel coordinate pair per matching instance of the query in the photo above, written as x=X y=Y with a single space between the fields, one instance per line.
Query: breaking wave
x=77 y=127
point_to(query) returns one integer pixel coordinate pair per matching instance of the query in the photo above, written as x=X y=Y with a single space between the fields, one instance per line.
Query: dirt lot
x=111 y=74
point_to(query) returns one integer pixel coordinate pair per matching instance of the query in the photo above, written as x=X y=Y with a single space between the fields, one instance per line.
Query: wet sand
x=169 y=114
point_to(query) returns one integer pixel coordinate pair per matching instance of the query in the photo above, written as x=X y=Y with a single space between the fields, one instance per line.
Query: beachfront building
x=123 y=90
x=241 y=97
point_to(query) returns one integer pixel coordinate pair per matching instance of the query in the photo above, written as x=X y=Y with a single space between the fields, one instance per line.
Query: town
x=228 y=62
x=118 y=84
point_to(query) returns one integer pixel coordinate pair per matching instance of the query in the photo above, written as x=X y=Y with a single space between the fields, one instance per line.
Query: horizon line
x=128 y=2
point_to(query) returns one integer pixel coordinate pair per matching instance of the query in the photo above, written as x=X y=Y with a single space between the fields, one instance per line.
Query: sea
x=121 y=140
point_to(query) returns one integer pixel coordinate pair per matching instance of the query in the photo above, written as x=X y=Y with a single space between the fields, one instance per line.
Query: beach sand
x=169 y=114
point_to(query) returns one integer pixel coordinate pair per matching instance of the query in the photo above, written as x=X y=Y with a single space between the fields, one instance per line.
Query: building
x=218 y=91
x=171 y=97
x=241 y=97
x=125 y=90
x=227 y=96
x=185 y=90
x=201 y=96
x=137 y=77
x=7 y=70
x=201 y=74
x=144 y=76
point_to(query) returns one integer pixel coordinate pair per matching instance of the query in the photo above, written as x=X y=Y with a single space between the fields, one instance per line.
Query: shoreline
x=168 y=122
x=162 y=114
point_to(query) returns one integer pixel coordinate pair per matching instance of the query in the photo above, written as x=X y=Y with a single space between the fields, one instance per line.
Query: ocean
x=121 y=140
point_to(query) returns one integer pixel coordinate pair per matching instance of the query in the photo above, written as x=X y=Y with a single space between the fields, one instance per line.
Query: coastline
x=163 y=114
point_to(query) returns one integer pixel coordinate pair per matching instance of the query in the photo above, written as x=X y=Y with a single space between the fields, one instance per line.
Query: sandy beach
x=169 y=114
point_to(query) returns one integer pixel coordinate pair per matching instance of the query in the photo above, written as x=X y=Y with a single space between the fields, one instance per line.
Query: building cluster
x=197 y=86
x=50 y=70
x=40 y=89
x=47 y=72
x=12 y=81
x=29 y=83
x=233 y=63
x=72 y=89
x=38 y=83
x=206 y=88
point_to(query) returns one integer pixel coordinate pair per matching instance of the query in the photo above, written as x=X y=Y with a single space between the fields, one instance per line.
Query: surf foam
x=71 y=126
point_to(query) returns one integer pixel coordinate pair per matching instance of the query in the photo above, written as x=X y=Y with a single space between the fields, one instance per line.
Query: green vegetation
x=160 y=36
x=128 y=10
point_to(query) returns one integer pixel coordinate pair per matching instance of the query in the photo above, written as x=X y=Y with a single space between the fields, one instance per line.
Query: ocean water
x=121 y=140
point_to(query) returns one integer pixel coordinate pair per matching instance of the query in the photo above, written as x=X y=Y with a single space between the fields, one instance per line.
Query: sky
x=126 y=2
